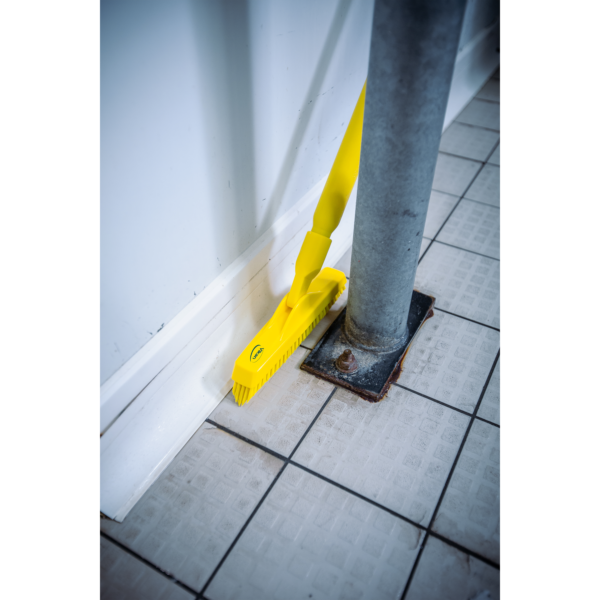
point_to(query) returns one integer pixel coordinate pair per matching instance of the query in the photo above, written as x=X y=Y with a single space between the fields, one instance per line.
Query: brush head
x=283 y=333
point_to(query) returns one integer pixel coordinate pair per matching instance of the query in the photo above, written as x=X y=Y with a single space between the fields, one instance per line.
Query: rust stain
x=362 y=393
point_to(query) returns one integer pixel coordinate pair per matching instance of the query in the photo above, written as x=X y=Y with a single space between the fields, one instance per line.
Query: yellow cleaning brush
x=312 y=292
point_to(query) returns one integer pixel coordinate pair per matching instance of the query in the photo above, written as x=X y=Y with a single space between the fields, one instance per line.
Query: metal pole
x=413 y=50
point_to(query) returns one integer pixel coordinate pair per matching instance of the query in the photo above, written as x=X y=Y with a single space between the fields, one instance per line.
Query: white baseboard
x=179 y=377
x=476 y=61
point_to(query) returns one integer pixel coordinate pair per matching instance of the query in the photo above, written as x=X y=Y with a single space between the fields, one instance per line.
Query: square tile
x=473 y=226
x=490 y=91
x=486 y=188
x=450 y=360
x=440 y=206
x=124 y=577
x=470 y=510
x=470 y=142
x=494 y=159
x=397 y=452
x=445 y=572
x=489 y=408
x=481 y=114
x=424 y=245
x=191 y=514
x=279 y=414
x=453 y=175
x=310 y=539
x=462 y=283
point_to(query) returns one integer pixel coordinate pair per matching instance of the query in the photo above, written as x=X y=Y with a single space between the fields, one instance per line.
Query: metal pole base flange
x=376 y=370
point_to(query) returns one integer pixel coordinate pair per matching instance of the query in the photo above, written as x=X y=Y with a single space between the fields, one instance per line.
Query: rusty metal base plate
x=376 y=370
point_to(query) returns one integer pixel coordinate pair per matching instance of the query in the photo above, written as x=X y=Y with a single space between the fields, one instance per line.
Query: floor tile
x=490 y=404
x=463 y=283
x=470 y=142
x=470 y=510
x=424 y=245
x=486 y=188
x=440 y=206
x=450 y=360
x=397 y=452
x=190 y=516
x=473 y=226
x=494 y=159
x=124 y=577
x=453 y=175
x=445 y=572
x=490 y=91
x=481 y=114
x=279 y=414
x=310 y=539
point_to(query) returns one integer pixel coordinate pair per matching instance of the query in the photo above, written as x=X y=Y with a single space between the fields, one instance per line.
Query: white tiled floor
x=481 y=113
x=490 y=404
x=486 y=187
x=468 y=141
x=495 y=157
x=473 y=226
x=453 y=174
x=310 y=492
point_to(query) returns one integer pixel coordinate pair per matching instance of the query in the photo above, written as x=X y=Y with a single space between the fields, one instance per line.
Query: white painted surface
x=220 y=122
x=217 y=117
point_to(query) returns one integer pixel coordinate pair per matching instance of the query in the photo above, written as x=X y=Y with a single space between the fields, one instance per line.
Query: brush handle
x=332 y=203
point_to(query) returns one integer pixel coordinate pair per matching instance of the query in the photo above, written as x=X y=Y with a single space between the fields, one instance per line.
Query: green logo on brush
x=256 y=353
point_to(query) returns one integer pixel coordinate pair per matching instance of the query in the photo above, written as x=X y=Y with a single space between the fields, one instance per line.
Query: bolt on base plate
x=377 y=370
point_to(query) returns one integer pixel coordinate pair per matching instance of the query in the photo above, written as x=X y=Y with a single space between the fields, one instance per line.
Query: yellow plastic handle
x=332 y=203
x=342 y=176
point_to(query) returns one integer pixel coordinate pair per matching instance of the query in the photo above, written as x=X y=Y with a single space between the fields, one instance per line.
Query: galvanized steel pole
x=413 y=50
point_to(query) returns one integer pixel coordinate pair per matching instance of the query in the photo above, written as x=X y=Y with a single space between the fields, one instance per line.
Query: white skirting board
x=210 y=333
x=153 y=404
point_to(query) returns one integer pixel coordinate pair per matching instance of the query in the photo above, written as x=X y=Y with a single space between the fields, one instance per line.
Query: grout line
x=313 y=422
x=458 y=156
x=147 y=563
x=487 y=99
x=466 y=318
x=465 y=249
x=358 y=495
x=464 y=412
x=480 y=126
x=492 y=152
x=433 y=239
x=240 y=532
x=247 y=440
x=479 y=201
x=285 y=460
x=454 y=544
x=471 y=125
x=447 y=483
x=305 y=347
